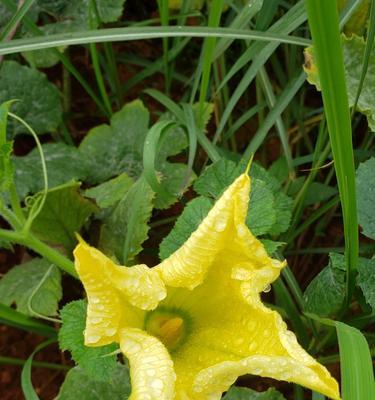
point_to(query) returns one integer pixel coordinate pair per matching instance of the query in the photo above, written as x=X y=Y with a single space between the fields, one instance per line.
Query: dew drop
x=92 y=339
x=110 y=331
x=157 y=384
x=220 y=225
x=267 y=289
x=96 y=320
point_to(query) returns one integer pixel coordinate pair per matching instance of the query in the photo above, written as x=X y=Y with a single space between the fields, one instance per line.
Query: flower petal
x=187 y=267
x=151 y=368
x=211 y=382
x=113 y=292
x=233 y=333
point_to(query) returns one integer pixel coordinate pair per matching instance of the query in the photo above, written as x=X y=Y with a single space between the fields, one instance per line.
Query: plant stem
x=30 y=241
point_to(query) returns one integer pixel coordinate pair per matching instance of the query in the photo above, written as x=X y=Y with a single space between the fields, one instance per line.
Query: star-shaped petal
x=194 y=323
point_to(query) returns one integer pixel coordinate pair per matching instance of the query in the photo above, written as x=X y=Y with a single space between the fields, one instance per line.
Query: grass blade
x=147 y=32
x=324 y=25
x=14 y=318
x=356 y=366
x=279 y=106
x=27 y=385
x=18 y=15
x=208 y=51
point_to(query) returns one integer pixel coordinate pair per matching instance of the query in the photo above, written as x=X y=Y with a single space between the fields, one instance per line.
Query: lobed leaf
x=117 y=148
x=365 y=181
x=326 y=292
x=63 y=214
x=109 y=193
x=236 y=393
x=366 y=279
x=95 y=362
x=34 y=287
x=38 y=99
x=64 y=163
x=126 y=228
x=117 y=387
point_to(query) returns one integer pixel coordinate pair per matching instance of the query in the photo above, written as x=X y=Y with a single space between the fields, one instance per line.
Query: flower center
x=169 y=326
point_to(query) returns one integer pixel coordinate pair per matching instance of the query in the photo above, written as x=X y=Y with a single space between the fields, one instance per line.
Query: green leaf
x=63 y=214
x=236 y=393
x=261 y=216
x=90 y=359
x=326 y=292
x=193 y=214
x=126 y=228
x=269 y=208
x=357 y=375
x=32 y=286
x=46 y=58
x=271 y=246
x=108 y=11
x=366 y=279
x=64 y=163
x=365 y=199
x=112 y=150
x=38 y=99
x=215 y=178
x=117 y=387
x=353 y=49
x=111 y=192
x=6 y=167
x=315 y=193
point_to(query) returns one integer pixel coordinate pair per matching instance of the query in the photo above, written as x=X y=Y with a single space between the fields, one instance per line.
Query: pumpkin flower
x=194 y=323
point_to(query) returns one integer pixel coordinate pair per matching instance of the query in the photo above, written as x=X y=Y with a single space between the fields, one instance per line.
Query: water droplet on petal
x=220 y=225
x=267 y=289
x=157 y=384
x=110 y=331
x=92 y=339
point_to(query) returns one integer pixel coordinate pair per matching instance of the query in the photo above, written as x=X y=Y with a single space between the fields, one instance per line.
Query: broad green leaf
x=326 y=292
x=193 y=214
x=90 y=359
x=271 y=246
x=365 y=197
x=38 y=99
x=64 y=163
x=215 y=178
x=261 y=217
x=53 y=6
x=366 y=280
x=353 y=49
x=112 y=150
x=108 y=11
x=111 y=192
x=174 y=178
x=357 y=375
x=6 y=167
x=236 y=393
x=117 y=387
x=126 y=228
x=357 y=21
x=46 y=58
x=63 y=214
x=34 y=287
x=269 y=208
x=315 y=193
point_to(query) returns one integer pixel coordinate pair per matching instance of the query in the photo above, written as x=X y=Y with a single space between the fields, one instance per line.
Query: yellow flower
x=191 y=325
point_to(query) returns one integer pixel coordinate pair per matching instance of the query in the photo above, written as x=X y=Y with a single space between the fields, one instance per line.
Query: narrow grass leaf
x=357 y=374
x=27 y=386
x=324 y=25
